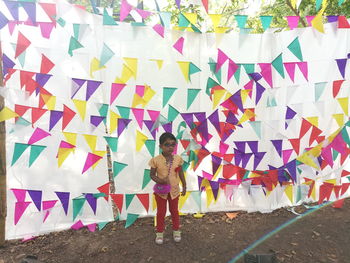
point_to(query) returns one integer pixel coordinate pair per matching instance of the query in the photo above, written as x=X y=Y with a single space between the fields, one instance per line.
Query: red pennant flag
x=68 y=115
x=336 y=87
x=20 y=110
x=185 y=143
x=344 y=173
x=25 y=77
x=46 y=64
x=205 y=4
x=337 y=189
x=37 y=113
x=104 y=189
x=144 y=199
x=344 y=188
x=229 y=170
x=325 y=192
x=22 y=44
x=343 y=22
x=339 y=203
x=50 y=10
x=118 y=200
x=315 y=132
x=305 y=126
x=202 y=153
x=295 y=144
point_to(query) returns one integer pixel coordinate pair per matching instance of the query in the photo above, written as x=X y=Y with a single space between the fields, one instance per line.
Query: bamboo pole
x=2 y=164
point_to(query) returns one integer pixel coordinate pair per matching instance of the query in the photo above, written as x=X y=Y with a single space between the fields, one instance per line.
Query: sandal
x=159 y=238
x=177 y=236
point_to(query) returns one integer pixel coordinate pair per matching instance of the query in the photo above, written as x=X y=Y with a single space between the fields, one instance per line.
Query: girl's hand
x=183 y=193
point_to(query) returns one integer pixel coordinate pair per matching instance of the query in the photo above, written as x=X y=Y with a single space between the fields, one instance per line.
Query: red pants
x=161 y=212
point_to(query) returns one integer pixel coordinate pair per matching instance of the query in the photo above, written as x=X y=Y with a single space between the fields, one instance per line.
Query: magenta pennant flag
x=179 y=44
x=92 y=86
x=266 y=72
x=122 y=124
x=143 y=13
x=77 y=225
x=64 y=198
x=309 y=19
x=20 y=208
x=36 y=197
x=223 y=147
x=293 y=21
x=116 y=88
x=140 y=90
x=125 y=9
x=232 y=68
x=92 y=227
x=249 y=86
x=37 y=135
x=327 y=155
x=91 y=159
x=286 y=155
x=138 y=113
x=207 y=176
x=290 y=67
x=153 y=114
x=339 y=144
x=46 y=28
x=92 y=201
x=278 y=146
x=304 y=69
x=341 y=65
x=47 y=205
x=55 y=116
x=67 y=145
x=222 y=57
x=11 y=26
x=76 y=85
x=20 y=194
x=159 y=29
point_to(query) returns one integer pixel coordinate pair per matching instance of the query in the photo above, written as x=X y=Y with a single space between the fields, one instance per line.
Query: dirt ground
x=321 y=236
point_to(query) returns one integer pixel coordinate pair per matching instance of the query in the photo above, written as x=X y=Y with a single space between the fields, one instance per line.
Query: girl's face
x=168 y=146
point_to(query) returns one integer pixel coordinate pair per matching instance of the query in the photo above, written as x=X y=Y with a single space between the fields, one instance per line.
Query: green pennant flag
x=146 y=178
x=98 y=195
x=78 y=204
x=137 y=24
x=237 y=73
x=348 y=178
x=112 y=143
x=196 y=195
x=195 y=29
x=104 y=111
x=128 y=199
x=76 y=28
x=107 y=19
x=241 y=20
x=151 y=146
x=106 y=55
x=101 y=225
x=345 y=136
x=268 y=104
x=266 y=21
x=61 y=22
x=192 y=69
x=181 y=129
x=334 y=154
x=35 y=151
x=124 y=112
x=294 y=47
x=183 y=21
x=318 y=4
x=298 y=196
x=210 y=84
x=273 y=102
x=130 y=219
x=191 y=95
x=73 y=45
x=18 y=151
x=167 y=93
x=117 y=168
x=212 y=65
x=277 y=63
x=20 y=122
x=172 y=113
x=319 y=88
x=22 y=58
x=249 y=68
x=256 y=125
x=340 y=2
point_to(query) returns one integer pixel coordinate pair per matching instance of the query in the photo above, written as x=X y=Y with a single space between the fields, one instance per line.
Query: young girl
x=166 y=171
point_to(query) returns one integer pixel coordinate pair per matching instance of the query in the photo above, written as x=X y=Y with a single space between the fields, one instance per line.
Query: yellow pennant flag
x=217 y=96
x=80 y=105
x=91 y=141
x=99 y=153
x=159 y=62
x=246 y=116
x=289 y=192
x=137 y=100
x=305 y=158
x=244 y=94
x=344 y=104
x=149 y=93
x=50 y=101
x=215 y=19
x=333 y=135
x=339 y=119
x=293 y=3
x=210 y=195
x=95 y=66
x=71 y=137
x=63 y=154
x=183 y=199
x=313 y=121
x=316 y=151
x=6 y=114
x=140 y=140
x=113 y=121
x=217 y=172
x=185 y=69
x=317 y=22
x=132 y=65
x=331 y=181
x=221 y=30
x=192 y=17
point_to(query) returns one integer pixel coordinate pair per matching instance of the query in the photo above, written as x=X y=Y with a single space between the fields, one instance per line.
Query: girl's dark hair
x=165 y=136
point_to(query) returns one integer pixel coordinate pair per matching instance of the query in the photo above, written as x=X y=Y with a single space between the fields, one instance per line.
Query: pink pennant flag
x=249 y=86
x=46 y=28
x=143 y=13
x=207 y=175
x=286 y=155
x=266 y=72
x=11 y=26
x=293 y=21
x=115 y=91
x=66 y=145
x=47 y=205
x=92 y=227
x=309 y=19
x=223 y=147
x=138 y=113
x=303 y=68
x=20 y=194
x=327 y=155
x=290 y=67
x=91 y=159
x=159 y=29
x=37 y=135
x=232 y=68
x=124 y=10
x=77 y=225
x=179 y=45
x=222 y=57
x=153 y=114
x=140 y=90
x=20 y=208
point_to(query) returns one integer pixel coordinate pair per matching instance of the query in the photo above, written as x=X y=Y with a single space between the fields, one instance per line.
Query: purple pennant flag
x=92 y=86
x=13 y=8
x=168 y=127
x=292 y=169
x=290 y=113
x=96 y=120
x=255 y=76
x=231 y=118
x=3 y=20
x=55 y=116
x=201 y=116
x=216 y=162
x=238 y=157
x=30 y=9
x=237 y=100
x=36 y=197
x=76 y=85
x=149 y=124
x=214 y=119
x=281 y=176
x=178 y=3
x=271 y=167
x=320 y=160
x=188 y=118
x=215 y=188
x=240 y=146
x=259 y=91
x=245 y=159
x=41 y=79
x=7 y=64
x=332 y=19
x=92 y=201
x=64 y=198
x=122 y=124
x=257 y=158
x=253 y=145
x=202 y=128
x=200 y=179
x=341 y=62
x=278 y=146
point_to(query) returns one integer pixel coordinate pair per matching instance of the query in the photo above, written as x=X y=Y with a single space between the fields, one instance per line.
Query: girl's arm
x=183 y=181
x=155 y=178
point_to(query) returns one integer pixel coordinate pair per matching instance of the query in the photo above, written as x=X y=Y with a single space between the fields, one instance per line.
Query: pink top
x=159 y=162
